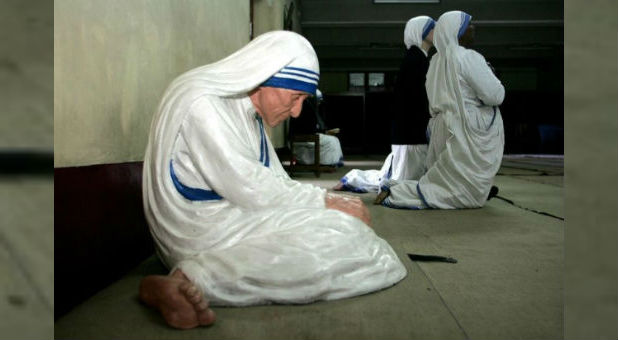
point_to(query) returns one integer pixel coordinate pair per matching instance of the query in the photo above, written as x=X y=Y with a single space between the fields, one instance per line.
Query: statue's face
x=275 y=105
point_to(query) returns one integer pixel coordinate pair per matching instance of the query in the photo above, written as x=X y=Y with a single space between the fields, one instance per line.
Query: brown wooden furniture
x=100 y=232
x=315 y=167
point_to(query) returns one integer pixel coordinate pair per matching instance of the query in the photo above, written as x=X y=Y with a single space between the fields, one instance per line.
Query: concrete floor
x=26 y=257
x=507 y=284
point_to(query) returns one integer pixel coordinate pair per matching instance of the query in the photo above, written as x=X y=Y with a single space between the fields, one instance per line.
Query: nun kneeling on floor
x=466 y=138
x=410 y=115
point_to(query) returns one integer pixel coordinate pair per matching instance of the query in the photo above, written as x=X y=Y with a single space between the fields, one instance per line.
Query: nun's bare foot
x=338 y=187
x=180 y=302
x=381 y=197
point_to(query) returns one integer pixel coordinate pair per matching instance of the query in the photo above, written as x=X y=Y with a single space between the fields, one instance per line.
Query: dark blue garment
x=410 y=110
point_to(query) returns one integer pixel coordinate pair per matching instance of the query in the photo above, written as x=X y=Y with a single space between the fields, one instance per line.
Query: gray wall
x=523 y=39
x=113 y=59
x=360 y=34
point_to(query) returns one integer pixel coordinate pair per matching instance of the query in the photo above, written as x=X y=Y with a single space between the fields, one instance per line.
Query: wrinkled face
x=275 y=105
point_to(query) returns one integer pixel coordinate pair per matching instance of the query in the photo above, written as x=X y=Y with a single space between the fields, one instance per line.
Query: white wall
x=114 y=58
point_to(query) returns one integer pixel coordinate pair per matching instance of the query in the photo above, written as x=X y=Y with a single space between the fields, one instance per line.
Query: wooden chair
x=315 y=167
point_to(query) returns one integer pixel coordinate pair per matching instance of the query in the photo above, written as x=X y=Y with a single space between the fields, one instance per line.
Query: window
x=376 y=79
x=357 y=80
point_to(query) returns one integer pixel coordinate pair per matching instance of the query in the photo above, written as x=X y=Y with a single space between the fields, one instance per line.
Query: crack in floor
x=435 y=289
x=528 y=209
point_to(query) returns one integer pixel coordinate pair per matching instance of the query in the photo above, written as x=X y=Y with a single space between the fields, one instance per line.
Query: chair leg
x=317 y=155
x=292 y=165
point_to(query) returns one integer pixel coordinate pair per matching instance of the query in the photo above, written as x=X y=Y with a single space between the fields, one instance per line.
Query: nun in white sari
x=220 y=206
x=409 y=145
x=466 y=130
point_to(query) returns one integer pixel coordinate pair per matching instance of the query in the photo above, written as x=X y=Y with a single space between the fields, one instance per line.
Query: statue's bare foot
x=180 y=302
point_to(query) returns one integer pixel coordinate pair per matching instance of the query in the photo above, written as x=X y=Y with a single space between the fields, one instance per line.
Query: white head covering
x=279 y=58
x=417 y=30
x=442 y=78
x=450 y=27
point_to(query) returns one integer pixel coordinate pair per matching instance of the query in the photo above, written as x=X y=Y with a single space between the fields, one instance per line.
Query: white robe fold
x=405 y=162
